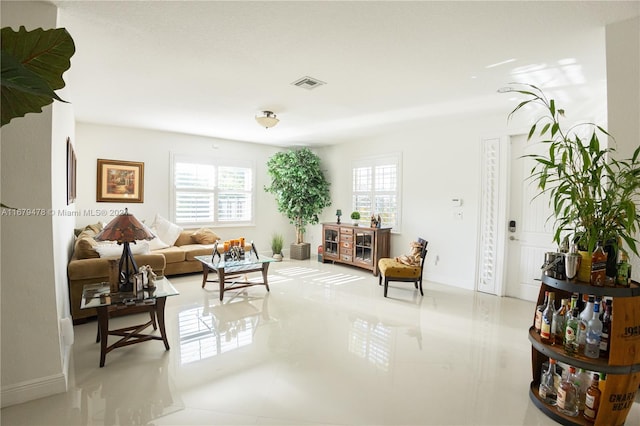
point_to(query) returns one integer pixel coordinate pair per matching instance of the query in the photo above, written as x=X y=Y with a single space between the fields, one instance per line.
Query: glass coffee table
x=109 y=304
x=234 y=268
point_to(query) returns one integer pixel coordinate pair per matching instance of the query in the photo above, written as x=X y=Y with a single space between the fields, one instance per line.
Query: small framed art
x=120 y=181
x=71 y=173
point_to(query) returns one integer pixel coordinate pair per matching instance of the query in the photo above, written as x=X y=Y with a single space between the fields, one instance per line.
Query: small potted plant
x=277 y=242
x=356 y=217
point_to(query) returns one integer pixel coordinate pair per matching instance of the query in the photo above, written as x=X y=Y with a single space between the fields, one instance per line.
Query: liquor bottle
x=624 y=270
x=598 y=266
x=594 y=332
x=538 y=318
x=582 y=380
x=559 y=322
x=571 y=333
x=587 y=312
x=603 y=382
x=606 y=329
x=583 y=323
x=592 y=400
x=567 y=401
x=572 y=306
x=547 y=319
x=547 y=389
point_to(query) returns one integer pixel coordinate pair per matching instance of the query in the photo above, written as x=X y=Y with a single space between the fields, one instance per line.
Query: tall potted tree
x=301 y=191
x=592 y=193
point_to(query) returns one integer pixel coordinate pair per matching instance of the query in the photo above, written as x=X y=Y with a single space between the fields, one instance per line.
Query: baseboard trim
x=33 y=389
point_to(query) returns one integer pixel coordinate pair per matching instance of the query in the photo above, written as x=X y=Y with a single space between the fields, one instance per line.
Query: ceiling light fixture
x=267 y=119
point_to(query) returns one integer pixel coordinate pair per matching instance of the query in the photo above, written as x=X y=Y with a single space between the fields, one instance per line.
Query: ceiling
x=208 y=67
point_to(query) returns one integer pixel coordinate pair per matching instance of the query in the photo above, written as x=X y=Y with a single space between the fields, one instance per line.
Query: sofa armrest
x=81 y=269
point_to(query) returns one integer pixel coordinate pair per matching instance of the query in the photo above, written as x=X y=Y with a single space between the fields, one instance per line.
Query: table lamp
x=338 y=213
x=125 y=229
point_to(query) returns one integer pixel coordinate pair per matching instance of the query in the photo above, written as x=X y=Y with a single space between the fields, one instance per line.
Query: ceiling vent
x=308 y=83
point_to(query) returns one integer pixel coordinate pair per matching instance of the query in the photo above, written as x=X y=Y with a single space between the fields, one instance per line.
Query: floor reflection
x=216 y=328
x=371 y=340
x=148 y=397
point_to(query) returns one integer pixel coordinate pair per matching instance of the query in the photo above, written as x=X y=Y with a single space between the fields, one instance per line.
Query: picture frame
x=71 y=173
x=120 y=181
x=138 y=284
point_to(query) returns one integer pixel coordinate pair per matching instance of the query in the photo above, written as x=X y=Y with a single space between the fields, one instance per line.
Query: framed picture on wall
x=120 y=181
x=71 y=173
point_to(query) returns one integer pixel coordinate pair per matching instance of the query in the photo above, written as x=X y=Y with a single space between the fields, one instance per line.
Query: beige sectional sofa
x=87 y=267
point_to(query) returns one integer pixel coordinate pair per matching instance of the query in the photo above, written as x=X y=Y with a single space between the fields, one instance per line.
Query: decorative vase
x=277 y=257
x=584 y=272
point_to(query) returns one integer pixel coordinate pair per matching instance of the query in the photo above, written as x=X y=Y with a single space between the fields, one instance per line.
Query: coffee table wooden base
x=223 y=276
x=132 y=334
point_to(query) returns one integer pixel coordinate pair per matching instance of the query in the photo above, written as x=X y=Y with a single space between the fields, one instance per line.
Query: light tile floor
x=323 y=347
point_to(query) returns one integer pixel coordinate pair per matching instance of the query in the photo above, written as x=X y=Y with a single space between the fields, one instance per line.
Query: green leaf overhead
x=32 y=66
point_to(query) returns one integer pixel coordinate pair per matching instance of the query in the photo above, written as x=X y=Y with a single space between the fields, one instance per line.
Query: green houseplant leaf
x=32 y=66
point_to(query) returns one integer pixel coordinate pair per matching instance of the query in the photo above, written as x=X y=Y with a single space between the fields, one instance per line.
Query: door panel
x=533 y=235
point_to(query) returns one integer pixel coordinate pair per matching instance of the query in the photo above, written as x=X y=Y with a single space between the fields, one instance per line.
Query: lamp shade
x=267 y=119
x=125 y=228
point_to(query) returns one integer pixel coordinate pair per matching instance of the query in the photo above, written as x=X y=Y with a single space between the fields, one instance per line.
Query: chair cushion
x=392 y=268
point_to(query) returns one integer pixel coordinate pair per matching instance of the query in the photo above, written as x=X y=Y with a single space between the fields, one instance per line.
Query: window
x=211 y=191
x=376 y=188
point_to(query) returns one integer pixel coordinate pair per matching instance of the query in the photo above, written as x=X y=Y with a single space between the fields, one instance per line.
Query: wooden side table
x=108 y=304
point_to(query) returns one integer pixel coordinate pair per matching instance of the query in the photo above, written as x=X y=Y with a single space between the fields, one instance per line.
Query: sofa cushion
x=165 y=230
x=85 y=246
x=172 y=254
x=184 y=238
x=204 y=236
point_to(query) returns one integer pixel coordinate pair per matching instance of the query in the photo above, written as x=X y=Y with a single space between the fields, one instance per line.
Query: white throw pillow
x=165 y=230
x=157 y=243
x=115 y=250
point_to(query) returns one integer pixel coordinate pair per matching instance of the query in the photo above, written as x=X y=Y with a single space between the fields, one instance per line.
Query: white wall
x=623 y=84
x=34 y=248
x=154 y=148
x=440 y=161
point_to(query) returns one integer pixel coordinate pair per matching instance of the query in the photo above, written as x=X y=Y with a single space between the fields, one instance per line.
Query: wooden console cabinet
x=359 y=246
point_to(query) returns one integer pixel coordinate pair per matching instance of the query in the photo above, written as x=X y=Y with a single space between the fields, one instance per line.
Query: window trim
x=378 y=160
x=215 y=161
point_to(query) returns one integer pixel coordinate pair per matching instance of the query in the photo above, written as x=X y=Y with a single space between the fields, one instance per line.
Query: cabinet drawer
x=346 y=238
x=346 y=231
x=345 y=258
x=346 y=245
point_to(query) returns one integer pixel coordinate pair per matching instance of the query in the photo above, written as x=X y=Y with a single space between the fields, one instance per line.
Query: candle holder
x=338 y=213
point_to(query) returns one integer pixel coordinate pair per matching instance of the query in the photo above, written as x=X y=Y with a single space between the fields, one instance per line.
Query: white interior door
x=532 y=234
